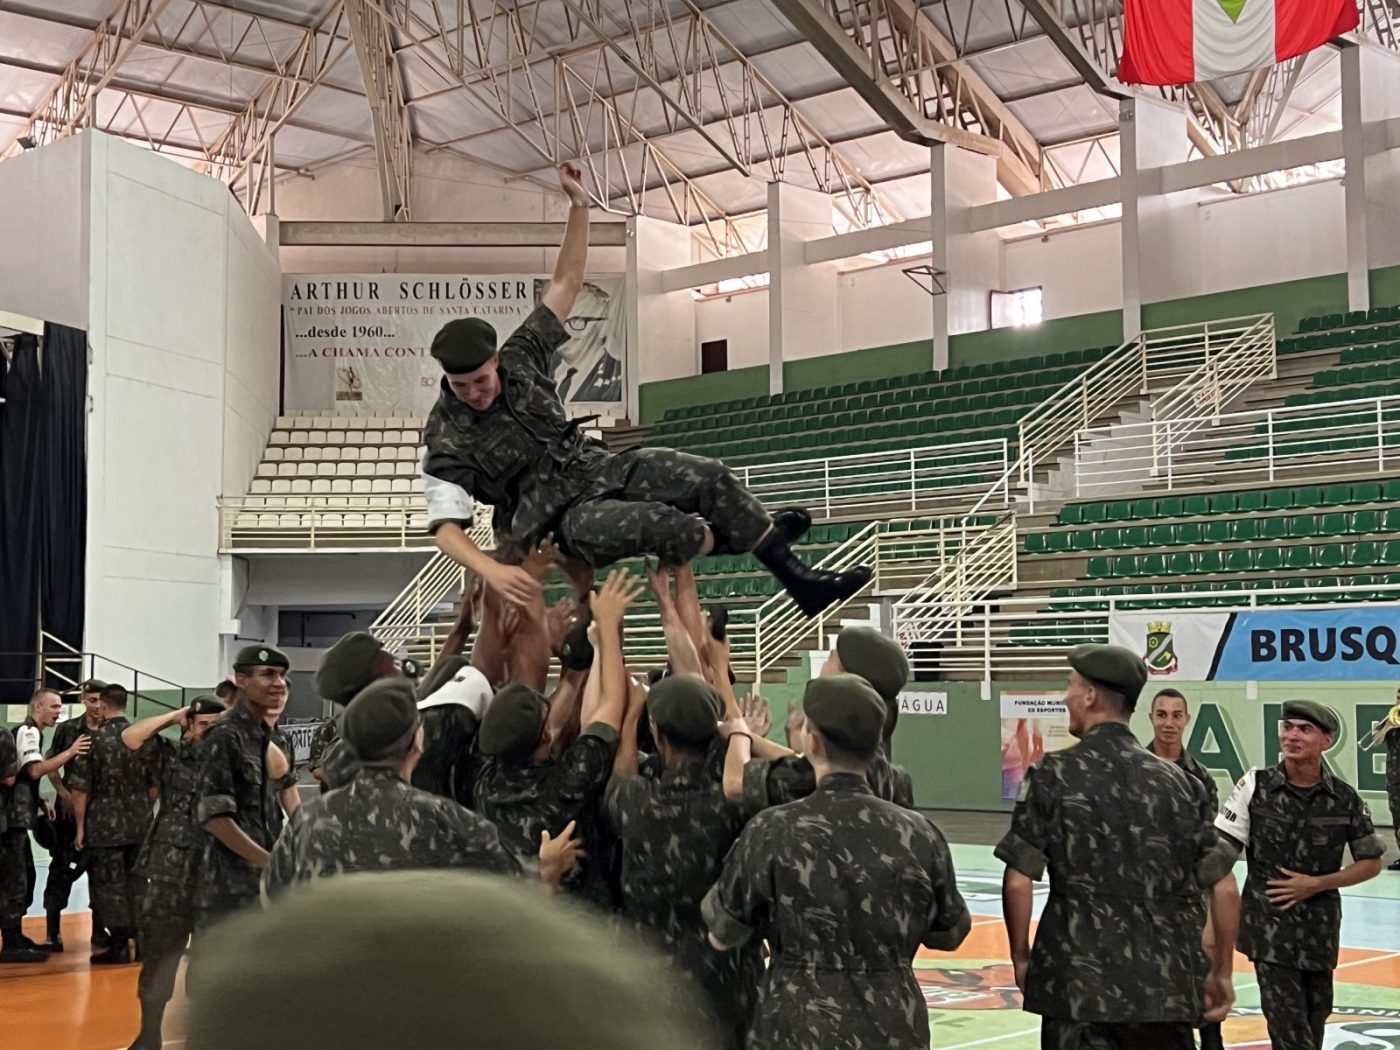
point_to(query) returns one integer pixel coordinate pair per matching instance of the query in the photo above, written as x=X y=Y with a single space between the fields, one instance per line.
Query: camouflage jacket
x=773 y=782
x=327 y=733
x=118 y=782
x=450 y=761
x=674 y=832
x=1392 y=756
x=65 y=734
x=9 y=767
x=1129 y=851
x=1306 y=830
x=233 y=781
x=523 y=800
x=521 y=456
x=23 y=801
x=1191 y=766
x=381 y=823
x=844 y=886
x=165 y=854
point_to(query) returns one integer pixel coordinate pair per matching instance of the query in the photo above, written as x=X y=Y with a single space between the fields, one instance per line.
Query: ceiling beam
x=443 y=234
x=157 y=39
x=1054 y=27
x=68 y=104
x=393 y=137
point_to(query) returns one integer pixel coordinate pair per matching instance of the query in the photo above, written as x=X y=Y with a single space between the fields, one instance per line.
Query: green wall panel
x=656 y=398
x=1062 y=333
x=898 y=359
x=1288 y=302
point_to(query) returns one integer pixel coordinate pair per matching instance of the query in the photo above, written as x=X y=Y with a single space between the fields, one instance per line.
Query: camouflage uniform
x=23 y=806
x=165 y=862
x=11 y=848
x=450 y=763
x=845 y=887
x=1117 y=956
x=117 y=781
x=381 y=823
x=1191 y=766
x=524 y=799
x=68 y=863
x=234 y=782
x=1295 y=951
x=773 y=782
x=675 y=830
x=326 y=736
x=524 y=458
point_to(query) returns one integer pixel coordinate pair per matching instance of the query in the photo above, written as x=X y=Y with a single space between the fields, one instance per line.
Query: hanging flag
x=1180 y=41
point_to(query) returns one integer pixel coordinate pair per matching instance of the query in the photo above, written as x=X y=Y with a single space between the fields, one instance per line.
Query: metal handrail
x=985 y=563
x=48 y=669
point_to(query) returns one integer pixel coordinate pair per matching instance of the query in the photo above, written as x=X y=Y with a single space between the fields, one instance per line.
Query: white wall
x=43 y=268
x=882 y=305
x=177 y=276
x=1076 y=269
x=307 y=581
x=741 y=319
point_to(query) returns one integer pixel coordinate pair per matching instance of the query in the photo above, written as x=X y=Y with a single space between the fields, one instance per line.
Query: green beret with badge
x=348 y=666
x=463 y=345
x=876 y=657
x=512 y=724
x=1319 y=715
x=686 y=709
x=381 y=720
x=261 y=656
x=846 y=710
x=1112 y=666
x=207 y=705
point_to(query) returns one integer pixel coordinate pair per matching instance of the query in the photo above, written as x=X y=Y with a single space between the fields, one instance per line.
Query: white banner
x=913 y=703
x=1176 y=646
x=1031 y=725
x=357 y=344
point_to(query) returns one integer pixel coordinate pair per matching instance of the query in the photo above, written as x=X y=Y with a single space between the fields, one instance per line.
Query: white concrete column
x=971 y=262
x=661 y=341
x=803 y=317
x=1370 y=94
x=1151 y=134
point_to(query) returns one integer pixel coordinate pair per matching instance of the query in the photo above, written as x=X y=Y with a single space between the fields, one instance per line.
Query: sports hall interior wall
x=954 y=758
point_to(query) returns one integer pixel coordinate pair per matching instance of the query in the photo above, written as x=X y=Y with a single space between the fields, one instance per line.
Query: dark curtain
x=63 y=482
x=21 y=517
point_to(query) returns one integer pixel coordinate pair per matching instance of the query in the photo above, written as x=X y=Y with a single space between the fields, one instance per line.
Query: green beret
x=464 y=345
x=207 y=705
x=1319 y=715
x=348 y=666
x=92 y=685
x=513 y=722
x=380 y=718
x=261 y=656
x=845 y=709
x=686 y=709
x=1121 y=670
x=334 y=942
x=876 y=657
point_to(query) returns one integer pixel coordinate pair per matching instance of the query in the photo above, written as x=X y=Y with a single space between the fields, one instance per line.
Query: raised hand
x=571 y=182
x=611 y=602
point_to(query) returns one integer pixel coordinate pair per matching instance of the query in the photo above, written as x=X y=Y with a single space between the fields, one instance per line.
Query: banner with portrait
x=357 y=344
x=1031 y=725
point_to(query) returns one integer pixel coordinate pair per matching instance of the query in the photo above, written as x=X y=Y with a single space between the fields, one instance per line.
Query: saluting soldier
x=844 y=886
x=1295 y=820
x=379 y=821
x=238 y=797
x=499 y=434
x=674 y=831
x=67 y=863
x=167 y=905
x=112 y=804
x=1117 y=961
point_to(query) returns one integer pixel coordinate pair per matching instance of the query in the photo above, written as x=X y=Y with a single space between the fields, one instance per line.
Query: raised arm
x=609 y=608
x=567 y=280
x=135 y=735
x=684 y=657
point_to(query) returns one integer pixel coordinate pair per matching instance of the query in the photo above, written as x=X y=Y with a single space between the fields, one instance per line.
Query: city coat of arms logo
x=1161 y=650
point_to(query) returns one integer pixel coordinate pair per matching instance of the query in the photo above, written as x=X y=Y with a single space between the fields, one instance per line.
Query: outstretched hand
x=559 y=855
x=571 y=182
x=616 y=595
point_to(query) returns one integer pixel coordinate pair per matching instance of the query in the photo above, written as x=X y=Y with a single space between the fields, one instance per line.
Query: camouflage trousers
x=1296 y=1004
x=1071 y=1035
x=115 y=886
x=167 y=921
x=15 y=864
x=658 y=501
x=1392 y=790
x=66 y=866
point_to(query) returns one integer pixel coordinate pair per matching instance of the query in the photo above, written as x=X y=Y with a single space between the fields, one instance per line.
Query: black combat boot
x=792 y=523
x=53 y=941
x=1211 y=1038
x=118 y=951
x=576 y=653
x=152 y=1014
x=812 y=589
x=14 y=950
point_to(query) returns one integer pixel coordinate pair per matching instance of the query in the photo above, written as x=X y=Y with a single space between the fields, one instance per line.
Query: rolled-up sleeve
x=1361 y=834
x=738 y=901
x=1023 y=847
x=535 y=341
x=948 y=922
x=216 y=793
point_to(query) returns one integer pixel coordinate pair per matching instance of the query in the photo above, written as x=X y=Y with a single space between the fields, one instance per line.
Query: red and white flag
x=1180 y=41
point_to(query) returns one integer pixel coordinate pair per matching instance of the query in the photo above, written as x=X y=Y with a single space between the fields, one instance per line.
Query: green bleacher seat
x=1250 y=501
x=1278 y=499
x=1390 y=520
x=1216 y=531
x=1035 y=543
x=1150 y=565
x=1326 y=556
x=1307 y=496
x=1222 y=503
x=1189 y=532
x=1161 y=536
x=1100 y=567
x=1182 y=563
x=1269 y=559
x=1239 y=559
x=1363 y=523
x=1169 y=506
x=1108 y=539
x=1364 y=552
x=1335 y=495
x=1141 y=509
x=1209 y=562
x=1273 y=528
x=1390 y=553
x=1118 y=510
x=1070 y=514
x=1134 y=536
x=1367 y=492
x=1300 y=557
x=1059 y=542
x=1244 y=530
x=1302 y=525
x=1093 y=513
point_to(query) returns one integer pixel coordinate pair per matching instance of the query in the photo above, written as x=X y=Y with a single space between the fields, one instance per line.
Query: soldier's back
x=119 y=803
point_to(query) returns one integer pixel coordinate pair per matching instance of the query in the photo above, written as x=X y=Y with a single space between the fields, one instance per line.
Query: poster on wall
x=1265 y=645
x=357 y=344
x=1031 y=725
